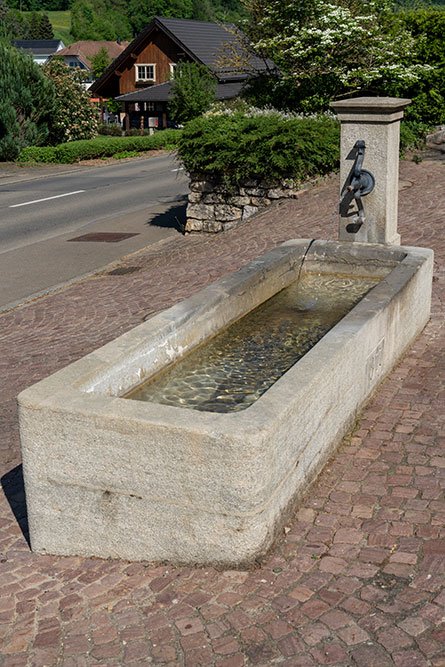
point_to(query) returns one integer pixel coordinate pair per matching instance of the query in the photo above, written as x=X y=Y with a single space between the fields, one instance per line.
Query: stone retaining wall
x=213 y=207
x=437 y=138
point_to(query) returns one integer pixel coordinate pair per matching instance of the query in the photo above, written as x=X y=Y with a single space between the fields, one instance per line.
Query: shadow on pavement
x=14 y=489
x=173 y=218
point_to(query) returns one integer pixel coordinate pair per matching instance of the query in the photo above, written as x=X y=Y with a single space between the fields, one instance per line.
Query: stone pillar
x=376 y=120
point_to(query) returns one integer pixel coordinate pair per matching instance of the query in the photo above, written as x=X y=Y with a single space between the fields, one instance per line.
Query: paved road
x=145 y=197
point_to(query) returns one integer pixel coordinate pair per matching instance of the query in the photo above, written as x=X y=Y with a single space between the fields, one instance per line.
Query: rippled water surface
x=234 y=368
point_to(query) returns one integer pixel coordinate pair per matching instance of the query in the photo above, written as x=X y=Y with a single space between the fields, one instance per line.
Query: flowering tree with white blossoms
x=74 y=115
x=329 y=47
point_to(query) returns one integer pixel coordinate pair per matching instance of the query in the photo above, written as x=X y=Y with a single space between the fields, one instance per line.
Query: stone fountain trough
x=111 y=477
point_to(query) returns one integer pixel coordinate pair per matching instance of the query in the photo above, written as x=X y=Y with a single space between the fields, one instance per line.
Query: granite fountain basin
x=116 y=478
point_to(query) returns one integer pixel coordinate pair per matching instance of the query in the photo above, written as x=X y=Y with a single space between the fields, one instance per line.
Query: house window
x=149 y=106
x=145 y=72
x=172 y=68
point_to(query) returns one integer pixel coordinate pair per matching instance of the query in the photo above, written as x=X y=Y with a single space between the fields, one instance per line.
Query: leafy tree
x=34 y=27
x=141 y=12
x=114 y=107
x=100 y=62
x=201 y=10
x=25 y=5
x=74 y=115
x=26 y=104
x=418 y=4
x=330 y=47
x=55 y=5
x=428 y=29
x=105 y=23
x=45 y=28
x=11 y=27
x=428 y=93
x=228 y=11
x=193 y=91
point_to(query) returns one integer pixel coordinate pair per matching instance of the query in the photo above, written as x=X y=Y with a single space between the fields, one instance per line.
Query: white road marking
x=179 y=169
x=37 y=201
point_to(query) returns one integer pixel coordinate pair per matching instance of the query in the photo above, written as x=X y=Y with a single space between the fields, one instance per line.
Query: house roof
x=202 y=41
x=162 y=92
x=85 y=50
x=206 y=41
x=39 y=47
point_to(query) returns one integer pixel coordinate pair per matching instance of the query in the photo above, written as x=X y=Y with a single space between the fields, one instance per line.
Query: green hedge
x=74 y=151
x=263 y=145
x=412 y=135
x=106 y=130
x=270 y=146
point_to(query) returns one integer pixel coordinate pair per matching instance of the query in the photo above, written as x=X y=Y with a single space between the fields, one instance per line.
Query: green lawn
x=61 y=23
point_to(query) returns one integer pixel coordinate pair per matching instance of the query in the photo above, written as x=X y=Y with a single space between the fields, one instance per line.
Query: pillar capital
x=370 y=109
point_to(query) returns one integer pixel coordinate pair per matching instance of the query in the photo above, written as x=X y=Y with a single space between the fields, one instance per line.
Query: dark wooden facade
x=162 y=44
x=160 y=51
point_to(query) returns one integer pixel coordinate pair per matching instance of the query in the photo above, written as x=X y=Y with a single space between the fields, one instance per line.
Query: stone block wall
x=214 y=207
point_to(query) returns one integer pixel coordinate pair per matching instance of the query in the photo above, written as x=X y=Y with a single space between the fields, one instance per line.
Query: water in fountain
x=310 y=303
x=232 y=370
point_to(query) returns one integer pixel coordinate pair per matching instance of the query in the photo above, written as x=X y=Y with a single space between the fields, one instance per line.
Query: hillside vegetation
x=61 y=23
x=74 y=20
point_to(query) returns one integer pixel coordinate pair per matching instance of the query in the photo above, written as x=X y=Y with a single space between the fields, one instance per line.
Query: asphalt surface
x=145 y=197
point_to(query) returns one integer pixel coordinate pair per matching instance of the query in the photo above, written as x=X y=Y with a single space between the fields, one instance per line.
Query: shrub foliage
x=428 y=94
x=193 y=90
x=74 y=151
x=26 y=103
x=269 y=146
x=110 y=130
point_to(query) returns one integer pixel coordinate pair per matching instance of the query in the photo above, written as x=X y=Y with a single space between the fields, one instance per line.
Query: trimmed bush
x=412 y=135
x=265 y=144
x=124 y=154
x=109 y=130
x=136 y=132
x=87 y=149
x=260 y=145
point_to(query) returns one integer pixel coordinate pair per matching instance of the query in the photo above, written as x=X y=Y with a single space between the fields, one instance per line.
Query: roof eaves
x=156 y=22
x=137 y=92
x=84 y=60
x=119 y=60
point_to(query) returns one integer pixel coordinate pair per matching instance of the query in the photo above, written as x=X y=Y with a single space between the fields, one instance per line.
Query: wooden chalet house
x=139 y=77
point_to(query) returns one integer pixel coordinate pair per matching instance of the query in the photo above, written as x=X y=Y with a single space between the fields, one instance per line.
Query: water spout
x=358 y=184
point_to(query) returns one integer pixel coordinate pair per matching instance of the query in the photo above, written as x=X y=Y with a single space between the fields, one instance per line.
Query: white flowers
x=352 y=41
x=249 y=111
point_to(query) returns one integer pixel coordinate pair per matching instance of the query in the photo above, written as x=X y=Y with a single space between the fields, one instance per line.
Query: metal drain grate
x=123 y=271
x=104 y=237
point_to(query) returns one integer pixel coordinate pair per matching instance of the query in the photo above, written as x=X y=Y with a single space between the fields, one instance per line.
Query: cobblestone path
x=358 y=579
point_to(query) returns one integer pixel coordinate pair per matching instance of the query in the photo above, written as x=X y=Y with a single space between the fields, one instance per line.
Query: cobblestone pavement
x=359 y=577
